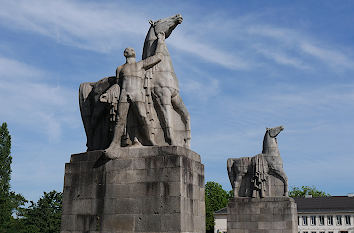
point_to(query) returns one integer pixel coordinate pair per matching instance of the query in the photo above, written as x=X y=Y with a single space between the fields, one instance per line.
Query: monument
x=138 y=174
x=261 y=203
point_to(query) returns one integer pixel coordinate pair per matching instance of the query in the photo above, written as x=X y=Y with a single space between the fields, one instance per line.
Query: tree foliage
x=43 y=216
x=216 y=198
x=5 y=175
x=307 y=190
x=10 y=202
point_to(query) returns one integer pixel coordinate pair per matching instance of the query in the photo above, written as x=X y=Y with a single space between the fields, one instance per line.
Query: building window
x=313 y=232
x=347 y=220
x=330 y=232
x=322 y=232
x=321 y=218
x=339 y=219
x=298 y=221
x=304 y=221
x=305 y=232
x=313 y=220
x=329 y=220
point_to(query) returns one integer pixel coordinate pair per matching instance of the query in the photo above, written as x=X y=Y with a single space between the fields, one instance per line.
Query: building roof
x=221 y=211
x=317 y=204
x=325 y=204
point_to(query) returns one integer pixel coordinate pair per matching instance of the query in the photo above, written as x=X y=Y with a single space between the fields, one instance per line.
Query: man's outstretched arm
x=153 y=60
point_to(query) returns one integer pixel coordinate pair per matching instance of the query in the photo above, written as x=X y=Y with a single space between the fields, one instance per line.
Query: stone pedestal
x=262 y=215
x=149 y=189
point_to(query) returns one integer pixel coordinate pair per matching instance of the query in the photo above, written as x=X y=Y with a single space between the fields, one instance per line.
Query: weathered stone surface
x=141 y=104
x=266 y=215
x=261 y=175
x=151 y=189
x=260 y=185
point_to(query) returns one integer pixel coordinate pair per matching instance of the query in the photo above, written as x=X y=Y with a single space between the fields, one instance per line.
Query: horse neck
x=150 y=44
x=270 y=146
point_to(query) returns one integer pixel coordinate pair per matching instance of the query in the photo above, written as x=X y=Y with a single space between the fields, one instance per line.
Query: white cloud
x=104 y=27
x=282 y=58
x=208 y=53
x=92 y=26
x=11 y=68
x=337 y=60
x=301 y=44
x=201 y=90
x=34 y=104
x=100 y=27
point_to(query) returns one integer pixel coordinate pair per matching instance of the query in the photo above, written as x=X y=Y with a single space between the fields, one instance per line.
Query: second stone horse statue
x=262 y=175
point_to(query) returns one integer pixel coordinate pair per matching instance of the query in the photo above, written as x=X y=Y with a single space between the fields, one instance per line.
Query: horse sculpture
x=98 y=100
x=163 y=83
x=257 y=176
x=95 y=114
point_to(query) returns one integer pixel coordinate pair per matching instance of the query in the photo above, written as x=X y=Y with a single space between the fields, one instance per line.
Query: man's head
x=129 y=52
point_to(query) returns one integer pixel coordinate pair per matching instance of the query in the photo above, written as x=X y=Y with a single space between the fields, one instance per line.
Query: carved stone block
x=262 y=215
x=150 y=189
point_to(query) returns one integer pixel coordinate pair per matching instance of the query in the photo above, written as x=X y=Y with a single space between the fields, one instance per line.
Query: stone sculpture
x=138 y=174
x=165 y=88
x=261 y=202
x=151 y=112
x=258 y=176
x=98 y=117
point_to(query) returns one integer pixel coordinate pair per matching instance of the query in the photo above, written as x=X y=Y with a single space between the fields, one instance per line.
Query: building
x=326 y=214
x=220 y=217
x=333 y=214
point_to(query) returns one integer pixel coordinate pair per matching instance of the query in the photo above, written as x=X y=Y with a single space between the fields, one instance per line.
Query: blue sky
x=242 y=66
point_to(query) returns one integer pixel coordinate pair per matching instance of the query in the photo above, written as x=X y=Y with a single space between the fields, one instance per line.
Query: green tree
x=9 y=200
x=307 y=190
x=43 y=216
x=5 y=176
x=216 y=198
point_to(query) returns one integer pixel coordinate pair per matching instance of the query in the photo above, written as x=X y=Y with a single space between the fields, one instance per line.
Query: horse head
x=270 y=145
x=166 y=25
x=273 y=132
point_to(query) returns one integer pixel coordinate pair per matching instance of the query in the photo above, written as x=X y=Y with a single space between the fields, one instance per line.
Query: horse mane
x=149 y=43
x=270 y=145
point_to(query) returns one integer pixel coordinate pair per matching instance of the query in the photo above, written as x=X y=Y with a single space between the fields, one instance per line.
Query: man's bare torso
x=132 y=76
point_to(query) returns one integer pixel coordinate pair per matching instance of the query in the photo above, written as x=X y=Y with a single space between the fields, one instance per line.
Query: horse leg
x=163 y=97
x=238 y=185
x=285 y=184
x=281 y=174
x=285 y=181
x=183 y=112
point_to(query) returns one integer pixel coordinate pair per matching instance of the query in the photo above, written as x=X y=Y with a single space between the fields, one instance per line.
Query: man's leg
x=119 y=128
x=141 y=115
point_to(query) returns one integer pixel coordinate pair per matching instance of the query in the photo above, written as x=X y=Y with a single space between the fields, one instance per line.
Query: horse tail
x=84 y=91
x=231 y=171
x=85 y=107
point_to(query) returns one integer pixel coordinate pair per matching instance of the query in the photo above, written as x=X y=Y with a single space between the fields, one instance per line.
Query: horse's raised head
x=273 y=132
x=166 y=25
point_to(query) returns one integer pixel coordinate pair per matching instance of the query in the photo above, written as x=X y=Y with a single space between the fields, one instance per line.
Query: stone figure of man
x=132 y=95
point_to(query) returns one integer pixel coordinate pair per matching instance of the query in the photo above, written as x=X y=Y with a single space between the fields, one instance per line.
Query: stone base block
x=149 y=189
x=262 y=215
